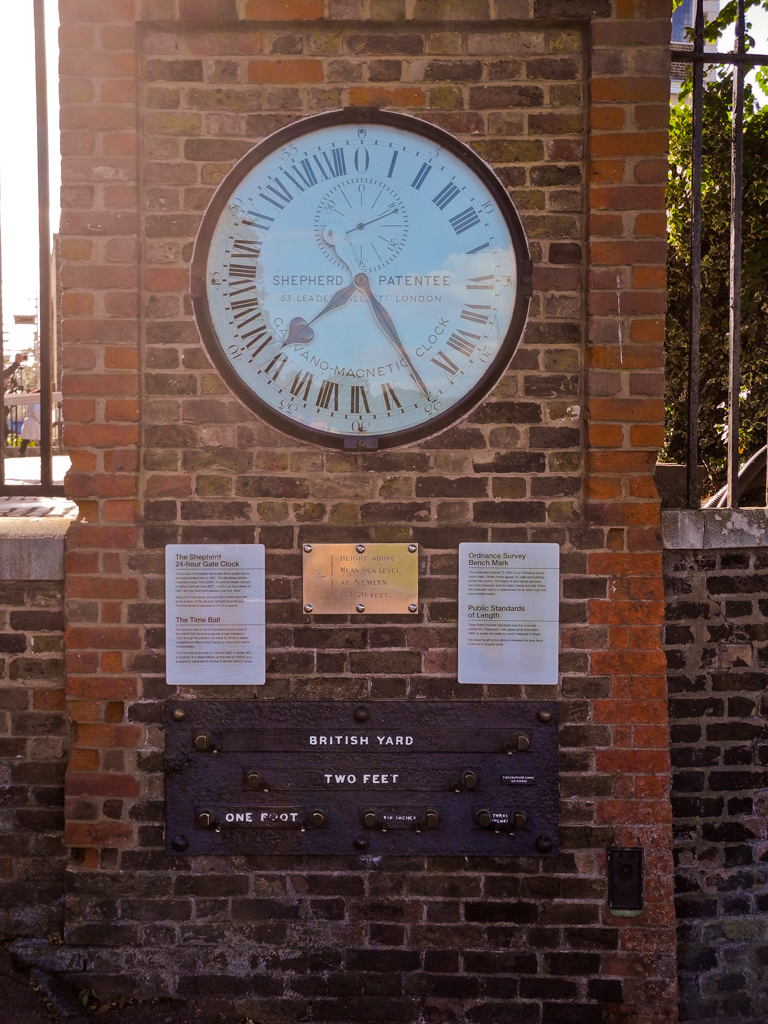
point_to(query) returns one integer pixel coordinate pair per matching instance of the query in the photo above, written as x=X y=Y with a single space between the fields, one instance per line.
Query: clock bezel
x=215 y=348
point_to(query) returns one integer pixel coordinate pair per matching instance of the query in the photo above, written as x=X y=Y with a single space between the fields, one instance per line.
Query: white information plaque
x=509 y=613
x=214 y=614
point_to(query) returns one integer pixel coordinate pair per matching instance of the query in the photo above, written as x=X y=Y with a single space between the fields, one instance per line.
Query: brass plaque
x=363 y=579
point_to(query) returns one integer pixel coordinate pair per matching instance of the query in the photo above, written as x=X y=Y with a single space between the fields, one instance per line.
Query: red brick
x=104 y=833
x=285 y=71
x=109 y=784
x=284 y=10
x=103 y=735
x=397 y=96
x=102 y=687
x=127 y=639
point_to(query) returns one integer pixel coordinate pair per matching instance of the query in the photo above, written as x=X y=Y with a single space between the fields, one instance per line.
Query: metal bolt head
x=544 y=716
x=469 y=779
x=431 y=819
x=519 y=820
x=413 y=607
x=317 y=818
x=361 y=842
x=369 y=819
x=307 y=548
x=308 y=609
x=202 y=741
x=360 y=714
x=204 y=820
x=412 y=548
x=253 y=780
x=543 y=844
x=523 y=743
x=217 y=827
x=180 y=843
x=483 y=818
x=360 y=548
x=178 y=714
x=360 y=608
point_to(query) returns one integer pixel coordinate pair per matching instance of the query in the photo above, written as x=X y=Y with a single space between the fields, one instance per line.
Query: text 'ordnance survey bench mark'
x=214 y=613
x=509 y=613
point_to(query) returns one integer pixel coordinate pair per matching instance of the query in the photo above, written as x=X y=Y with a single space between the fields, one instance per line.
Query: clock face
x=361 y=279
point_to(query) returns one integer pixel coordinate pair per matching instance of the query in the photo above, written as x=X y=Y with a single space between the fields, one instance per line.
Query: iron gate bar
x=734 y=298
x=44 y=235
x=692 y=57
x=694 y=499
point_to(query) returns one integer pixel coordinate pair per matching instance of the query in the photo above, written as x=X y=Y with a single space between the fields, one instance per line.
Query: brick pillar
x=627 y=171
x=100 y=309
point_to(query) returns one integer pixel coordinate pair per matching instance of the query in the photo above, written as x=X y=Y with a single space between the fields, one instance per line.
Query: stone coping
x=32 y=548
x=709 y=528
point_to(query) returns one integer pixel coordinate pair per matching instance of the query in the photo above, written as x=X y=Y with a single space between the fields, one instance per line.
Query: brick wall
x=568 y=101
x=715 y=638
x=33 y=748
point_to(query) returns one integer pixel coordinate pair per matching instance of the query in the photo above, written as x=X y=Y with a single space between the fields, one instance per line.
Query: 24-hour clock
x=361 y=279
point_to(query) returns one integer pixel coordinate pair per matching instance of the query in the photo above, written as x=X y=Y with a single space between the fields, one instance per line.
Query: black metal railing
x=741 y=61
x=49 y=403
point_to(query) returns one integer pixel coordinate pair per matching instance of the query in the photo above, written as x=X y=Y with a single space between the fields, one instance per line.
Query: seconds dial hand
x=336 y=237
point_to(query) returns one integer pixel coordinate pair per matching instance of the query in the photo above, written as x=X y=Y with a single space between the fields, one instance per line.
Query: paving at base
x=30 y=998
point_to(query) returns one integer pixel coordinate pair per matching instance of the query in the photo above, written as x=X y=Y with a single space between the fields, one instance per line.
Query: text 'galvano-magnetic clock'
x=361 y=279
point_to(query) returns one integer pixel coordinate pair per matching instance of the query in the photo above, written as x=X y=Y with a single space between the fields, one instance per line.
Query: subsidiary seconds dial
x=361 y=279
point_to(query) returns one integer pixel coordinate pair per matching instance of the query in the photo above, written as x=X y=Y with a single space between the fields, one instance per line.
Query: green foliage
x=716 y=178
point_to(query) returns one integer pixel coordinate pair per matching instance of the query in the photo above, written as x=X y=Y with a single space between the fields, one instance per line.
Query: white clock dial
x=360 y=281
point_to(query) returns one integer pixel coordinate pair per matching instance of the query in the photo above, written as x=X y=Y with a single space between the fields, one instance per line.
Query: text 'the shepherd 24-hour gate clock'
x=361 y=279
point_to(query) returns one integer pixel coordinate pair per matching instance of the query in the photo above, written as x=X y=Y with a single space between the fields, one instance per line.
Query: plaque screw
x=544 y=716
x=360 y=608
x=180 y=843
x=307 y=548
x=413 y=607
x=360 y=549
x=308 y=608
x=412 y=548
x=360 y=714
x=178 y=714
x=543 y=844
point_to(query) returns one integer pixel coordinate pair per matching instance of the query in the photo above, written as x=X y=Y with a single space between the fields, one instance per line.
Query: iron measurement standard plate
x=384 y=777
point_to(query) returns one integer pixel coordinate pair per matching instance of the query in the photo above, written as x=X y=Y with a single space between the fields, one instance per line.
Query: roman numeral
x=479 y=248
x=358 y=395
x=418 y=181
x=244 y=306
x=460 y=344
x=304 y=173
x=328 y=392
x=480 y=284
x=246 y=249
x=241 y=272
x=335 y=162
x=256 y=335
x=278 y=362
x=392 y=165
x=464 y=221
x=301 y=382
x=445 y=196
x=258 y=220
x=390 y=397
x=471 y=313
x=445 y=362
x=278 y=189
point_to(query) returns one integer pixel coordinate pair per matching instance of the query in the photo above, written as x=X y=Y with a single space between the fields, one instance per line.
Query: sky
x=18 y=169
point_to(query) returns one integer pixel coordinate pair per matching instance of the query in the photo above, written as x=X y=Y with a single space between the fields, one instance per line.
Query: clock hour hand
x=385 y=322
x=299 y=330
x=336 y=236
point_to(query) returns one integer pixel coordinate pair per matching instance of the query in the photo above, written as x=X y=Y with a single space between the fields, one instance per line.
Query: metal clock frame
x=283 y=137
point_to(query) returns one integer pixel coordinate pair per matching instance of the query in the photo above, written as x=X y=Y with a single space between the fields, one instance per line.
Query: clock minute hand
x=387 y=213
x=385 y=322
